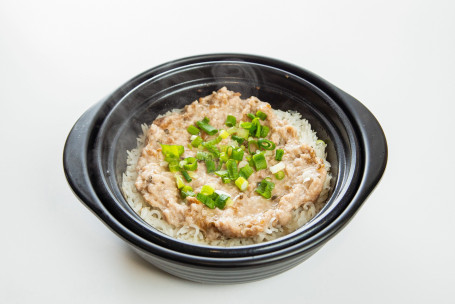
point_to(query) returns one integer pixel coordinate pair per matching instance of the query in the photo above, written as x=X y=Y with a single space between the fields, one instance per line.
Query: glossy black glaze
x=95 y=157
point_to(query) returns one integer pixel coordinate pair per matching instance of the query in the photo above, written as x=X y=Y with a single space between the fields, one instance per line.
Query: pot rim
x=369 y=175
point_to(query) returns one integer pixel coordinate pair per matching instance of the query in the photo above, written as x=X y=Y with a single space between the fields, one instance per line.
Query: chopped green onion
x=243 y=133
x=250 y=161
x=201 y=155
x=179 y=182
x=257 y=132
x=213 y=142
x=206 y=200
x=278 y=167
x=196 y=142
x=221 y=173
x=224 y=134
x=252 y=126
x=186 y=191
x=265 y=188
x=246 y=171
x=266 y=144
x=264 y=131
x=241 y=183
x=186 y=176
x=204 y=125
x=190 y=164
x=251 y=116
x=229 y=150
x=221 y=200
x=237 y=154
x=209 y=145
x=193 y=130
x=250 y=143
x=174 y=165
x=279 y=175
x=229 y=203
x=172 y=151
x=259 y=161
x=232 y=130
x=225 y=179
x=231 y=166
x=230 y=121
x=246 y=125
x=279 y=154
x=210 y=164
x=261 y=115
x=224 y=157
x=238 y=139
x=207 y=190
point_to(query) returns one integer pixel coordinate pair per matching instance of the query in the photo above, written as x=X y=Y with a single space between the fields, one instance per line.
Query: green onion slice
x=238 y=139
x=264 y=131
x=190 y=164
x=207 y=190
x=221 y=200
x=204 y=126
x=259 y=161
x=224 y=157
x=229 y=150
x=210 y=164
x=193 y=130
x=261 y=115
x=224 y=134
x=231 y=166
x=279 y=175
x=179 y=182
x=210 y=146
x=172 y=152
x=174 y=165
x=186 y=191
x=243 y=133
x=246 y=171
x=265 y=188
x=250 y=144
x=237 y=154
x=266 y=144
x=246 y=125
x=222 y=173
x=206 y=200
x=258 y=128
x=196 y=142
x=230 y=121
x=202 y=155
x=279 y=154
x=241 y=183
x=186 y=176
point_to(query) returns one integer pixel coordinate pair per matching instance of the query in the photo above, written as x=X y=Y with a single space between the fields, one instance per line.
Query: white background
x=58 y=58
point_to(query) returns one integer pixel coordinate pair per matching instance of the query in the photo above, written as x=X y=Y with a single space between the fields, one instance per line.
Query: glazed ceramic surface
x=95 y=158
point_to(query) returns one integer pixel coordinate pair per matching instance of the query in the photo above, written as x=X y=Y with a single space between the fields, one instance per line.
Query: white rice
x=193 y=234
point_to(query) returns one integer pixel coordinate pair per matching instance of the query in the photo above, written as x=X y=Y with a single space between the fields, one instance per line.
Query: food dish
x=241 y=212
x=94 y=159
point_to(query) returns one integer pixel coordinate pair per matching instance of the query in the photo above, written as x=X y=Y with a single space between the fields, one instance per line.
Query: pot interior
x=128 y=108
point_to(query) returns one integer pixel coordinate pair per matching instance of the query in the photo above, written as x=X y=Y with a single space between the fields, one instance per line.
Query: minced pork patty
x=250 y=213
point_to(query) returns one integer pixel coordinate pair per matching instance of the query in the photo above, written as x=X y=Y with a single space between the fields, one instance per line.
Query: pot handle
x=75 y=161
x=375 y=148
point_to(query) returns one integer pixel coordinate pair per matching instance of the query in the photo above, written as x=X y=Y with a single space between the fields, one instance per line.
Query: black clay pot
x=95 y=158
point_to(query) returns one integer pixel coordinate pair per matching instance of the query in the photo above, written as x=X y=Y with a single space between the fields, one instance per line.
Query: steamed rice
x=192 y=233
